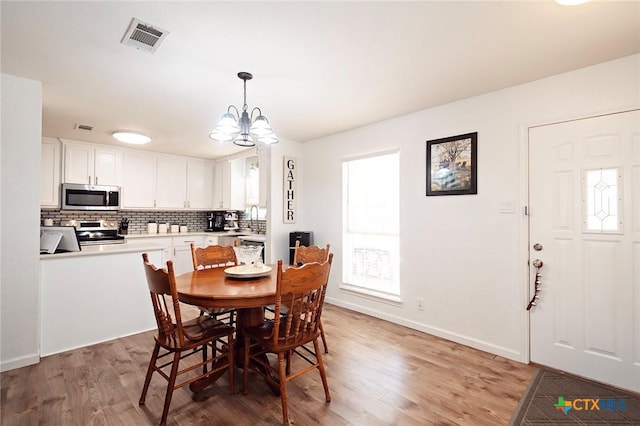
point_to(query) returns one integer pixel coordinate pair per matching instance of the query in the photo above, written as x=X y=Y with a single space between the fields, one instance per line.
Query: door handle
x=537 y=263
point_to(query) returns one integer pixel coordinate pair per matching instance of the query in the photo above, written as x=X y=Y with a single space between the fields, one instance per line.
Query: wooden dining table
x=212 y=288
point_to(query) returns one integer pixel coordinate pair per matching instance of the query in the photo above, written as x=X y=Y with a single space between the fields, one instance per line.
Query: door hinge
x=526 y=210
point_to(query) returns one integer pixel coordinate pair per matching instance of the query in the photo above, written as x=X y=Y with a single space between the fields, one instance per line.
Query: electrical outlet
x=420 y=305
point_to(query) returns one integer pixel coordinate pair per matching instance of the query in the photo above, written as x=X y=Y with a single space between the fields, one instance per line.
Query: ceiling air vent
x=83 y=127
x=143 y=36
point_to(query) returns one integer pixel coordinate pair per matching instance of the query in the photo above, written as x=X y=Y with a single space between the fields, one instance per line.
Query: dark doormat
x=555 y=398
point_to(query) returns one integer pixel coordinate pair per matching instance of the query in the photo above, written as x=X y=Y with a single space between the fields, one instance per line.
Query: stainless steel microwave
x=77 y=196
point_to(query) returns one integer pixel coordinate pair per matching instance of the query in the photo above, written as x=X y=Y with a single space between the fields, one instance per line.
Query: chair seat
x=264 y=334
x=195 y=331
x=216 y=311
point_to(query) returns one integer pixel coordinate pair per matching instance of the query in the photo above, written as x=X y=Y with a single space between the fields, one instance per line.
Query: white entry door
x=584 y=189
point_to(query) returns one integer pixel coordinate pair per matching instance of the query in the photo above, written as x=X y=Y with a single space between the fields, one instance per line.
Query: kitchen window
x=370 y=225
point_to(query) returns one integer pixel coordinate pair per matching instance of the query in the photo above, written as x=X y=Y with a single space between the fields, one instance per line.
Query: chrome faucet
x=251 y=223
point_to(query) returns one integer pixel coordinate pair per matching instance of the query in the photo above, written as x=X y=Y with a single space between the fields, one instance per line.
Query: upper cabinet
x=222 y=185
x=89 y=164
x=239 y=183
x=139 y=180
x=149 y=180
x=252 y=181
x=199 y=184
x=171 y=191
x=158 y=181
x=50 y=167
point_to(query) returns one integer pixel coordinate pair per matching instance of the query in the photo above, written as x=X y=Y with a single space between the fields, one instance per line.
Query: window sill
x=392 y=299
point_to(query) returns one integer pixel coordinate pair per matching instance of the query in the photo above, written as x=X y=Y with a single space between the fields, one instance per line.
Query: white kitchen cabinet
x=211 y=240
x=171 y=188
x=252 y=181
x=182 y=261
x=256 y=178
x=230 y=185
x=139 y=180
x=264 y=173
x=50 y=164
x=222 y=185
x=237 y=183
x=166 y=182
x=92 y=164
x=199 y=184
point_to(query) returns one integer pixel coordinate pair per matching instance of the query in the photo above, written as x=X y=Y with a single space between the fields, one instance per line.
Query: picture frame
x=452 y=165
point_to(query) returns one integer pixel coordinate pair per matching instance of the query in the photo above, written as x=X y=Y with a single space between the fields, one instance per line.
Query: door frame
x=523 y=252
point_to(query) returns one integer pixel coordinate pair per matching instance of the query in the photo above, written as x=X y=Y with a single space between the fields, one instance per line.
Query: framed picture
x=451 y=165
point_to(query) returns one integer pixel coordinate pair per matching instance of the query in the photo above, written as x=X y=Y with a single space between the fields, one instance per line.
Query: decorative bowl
x=249 y=255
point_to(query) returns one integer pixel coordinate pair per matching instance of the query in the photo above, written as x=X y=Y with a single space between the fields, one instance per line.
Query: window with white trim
x=370 y=223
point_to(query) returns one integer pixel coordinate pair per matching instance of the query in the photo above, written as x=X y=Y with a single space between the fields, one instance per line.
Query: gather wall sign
x=290 y=174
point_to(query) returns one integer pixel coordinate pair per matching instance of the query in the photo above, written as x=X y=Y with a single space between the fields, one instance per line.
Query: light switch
x=507 y=207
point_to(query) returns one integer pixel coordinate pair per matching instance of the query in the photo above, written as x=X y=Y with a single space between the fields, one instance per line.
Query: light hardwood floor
x=379 y=374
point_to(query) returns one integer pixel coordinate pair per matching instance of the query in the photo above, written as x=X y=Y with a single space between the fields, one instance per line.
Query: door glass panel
x=602 y=200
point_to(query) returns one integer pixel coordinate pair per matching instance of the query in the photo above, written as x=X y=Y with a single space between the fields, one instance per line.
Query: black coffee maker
x=215 y=221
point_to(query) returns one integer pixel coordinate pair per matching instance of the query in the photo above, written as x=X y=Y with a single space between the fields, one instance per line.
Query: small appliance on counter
x=231 y=221
x=216 y=221
x=96 y=232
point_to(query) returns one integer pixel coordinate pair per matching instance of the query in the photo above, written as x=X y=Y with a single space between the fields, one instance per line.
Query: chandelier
x=241 y=128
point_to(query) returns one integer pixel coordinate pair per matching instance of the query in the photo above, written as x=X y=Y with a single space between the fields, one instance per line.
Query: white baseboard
x=435 y=331
x=24 y=361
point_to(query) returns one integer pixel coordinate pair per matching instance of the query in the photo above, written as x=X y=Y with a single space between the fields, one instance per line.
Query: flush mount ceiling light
x=242 y=128
x=132 y=138
x=571 y=2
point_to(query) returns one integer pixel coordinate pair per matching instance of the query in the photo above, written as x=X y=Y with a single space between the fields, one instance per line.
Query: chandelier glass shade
x=241 y=127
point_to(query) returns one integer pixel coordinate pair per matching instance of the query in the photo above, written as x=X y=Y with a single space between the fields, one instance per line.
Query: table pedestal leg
x=250 y=317
x=246 y=317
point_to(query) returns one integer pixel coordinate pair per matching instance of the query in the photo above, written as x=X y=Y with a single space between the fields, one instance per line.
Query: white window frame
x=380 y=254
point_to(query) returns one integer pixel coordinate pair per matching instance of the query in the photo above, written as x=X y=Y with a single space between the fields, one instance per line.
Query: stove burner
x=96 y=232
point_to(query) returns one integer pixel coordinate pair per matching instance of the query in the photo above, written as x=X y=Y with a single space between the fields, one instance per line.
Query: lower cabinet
x=181 y=256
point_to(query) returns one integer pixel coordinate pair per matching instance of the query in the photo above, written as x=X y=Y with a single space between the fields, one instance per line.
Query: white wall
x=20 y=221
x=467 y=260
x=279 y=231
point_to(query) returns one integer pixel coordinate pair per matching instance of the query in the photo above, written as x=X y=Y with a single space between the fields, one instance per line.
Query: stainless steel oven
x=92 y=232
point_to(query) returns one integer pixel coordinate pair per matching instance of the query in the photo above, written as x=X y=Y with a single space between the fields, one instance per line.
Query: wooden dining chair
x=215 y=256
x=302 y=255
x=178 y=339
x=302 y=290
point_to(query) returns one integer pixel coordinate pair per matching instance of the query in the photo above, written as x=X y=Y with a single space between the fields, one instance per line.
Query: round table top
x=212 y=288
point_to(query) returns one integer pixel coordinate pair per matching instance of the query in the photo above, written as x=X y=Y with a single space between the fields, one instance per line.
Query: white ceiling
x=319 y=67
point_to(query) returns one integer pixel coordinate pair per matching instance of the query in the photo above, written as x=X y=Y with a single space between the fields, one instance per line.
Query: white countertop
x=102 y=249
x=137 y=243
x=185 y=234
x=253 y=237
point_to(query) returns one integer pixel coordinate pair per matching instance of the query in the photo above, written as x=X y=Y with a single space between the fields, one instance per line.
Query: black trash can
x=305 y=238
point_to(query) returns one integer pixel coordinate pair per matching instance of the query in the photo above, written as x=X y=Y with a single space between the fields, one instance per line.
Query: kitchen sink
x=257 y=238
